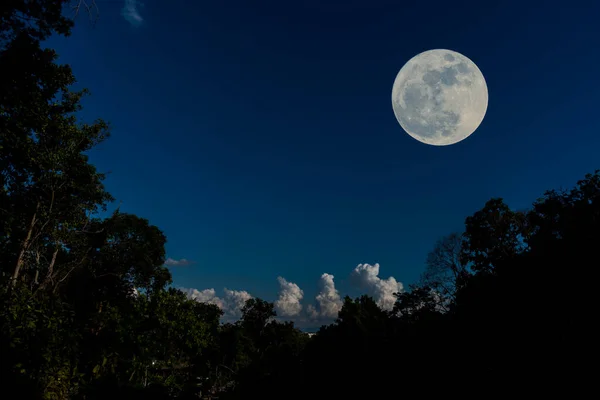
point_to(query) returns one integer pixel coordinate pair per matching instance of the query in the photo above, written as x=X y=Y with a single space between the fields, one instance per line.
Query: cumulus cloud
x=288 y=302
x=131 y=14
x=329 y=301
x=231 y=303
x=204 y=296
x=312 y=312
x=234 y=302
x=382 y=290
x=177 y=263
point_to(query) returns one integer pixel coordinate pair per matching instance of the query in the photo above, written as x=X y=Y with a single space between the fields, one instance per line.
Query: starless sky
x=260 y=137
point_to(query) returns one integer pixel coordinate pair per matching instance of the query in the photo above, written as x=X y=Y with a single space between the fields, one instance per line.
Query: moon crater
x=439 y=97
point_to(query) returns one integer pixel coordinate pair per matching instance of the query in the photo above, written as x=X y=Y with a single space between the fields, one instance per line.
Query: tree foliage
x=35 y=18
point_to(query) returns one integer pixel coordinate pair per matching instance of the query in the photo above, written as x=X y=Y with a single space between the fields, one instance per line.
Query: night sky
x=260 y=137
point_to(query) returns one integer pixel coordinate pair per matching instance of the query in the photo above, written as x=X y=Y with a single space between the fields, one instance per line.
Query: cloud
x=382 y=290
x=205 y=296
x=329 y=301
x=131 y=14
x=231 y=303
x=177 y=263
x=234 y=302
x=312 y=312
x=290 y=295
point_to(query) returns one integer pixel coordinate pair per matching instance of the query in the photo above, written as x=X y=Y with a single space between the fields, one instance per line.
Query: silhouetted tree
x=493 y=234
x=38 y=19
x=445 y=272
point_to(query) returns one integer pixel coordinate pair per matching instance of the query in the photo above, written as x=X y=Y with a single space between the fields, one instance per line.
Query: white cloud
x=290 y=295
x=382 y=290
x=231 y=303
x=312 y=312
x=234 y=302
x=131 y=14
x=205 y=296
x=177 y=263
x=329 y=301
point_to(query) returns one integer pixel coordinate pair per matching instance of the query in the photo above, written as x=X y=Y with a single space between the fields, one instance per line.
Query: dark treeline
x=506 y=307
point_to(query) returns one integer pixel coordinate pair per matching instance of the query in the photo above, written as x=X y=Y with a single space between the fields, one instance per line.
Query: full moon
x=439 y=97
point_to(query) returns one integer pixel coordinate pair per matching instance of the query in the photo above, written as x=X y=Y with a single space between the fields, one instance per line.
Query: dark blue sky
x=259 y=135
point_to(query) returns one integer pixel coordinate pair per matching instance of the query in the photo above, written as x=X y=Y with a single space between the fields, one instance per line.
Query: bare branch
x=444 y=267
x=63 y=278
x=88 y=6
x=24 y=247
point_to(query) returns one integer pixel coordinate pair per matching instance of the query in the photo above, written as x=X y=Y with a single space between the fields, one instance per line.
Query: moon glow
x=439 y=97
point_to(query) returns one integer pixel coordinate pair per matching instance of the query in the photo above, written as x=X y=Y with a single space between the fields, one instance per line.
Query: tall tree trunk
x=37 y=269
x=24 y=247
x=49 y=275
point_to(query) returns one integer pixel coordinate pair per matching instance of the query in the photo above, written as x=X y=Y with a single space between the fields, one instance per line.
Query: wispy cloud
x=170 y=262
x=131 y=14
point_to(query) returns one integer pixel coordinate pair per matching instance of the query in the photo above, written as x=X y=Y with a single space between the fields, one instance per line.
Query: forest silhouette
x=505 y=307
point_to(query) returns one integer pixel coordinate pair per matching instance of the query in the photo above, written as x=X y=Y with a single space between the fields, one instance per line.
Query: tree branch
x=90 y=7
x=63 y=278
